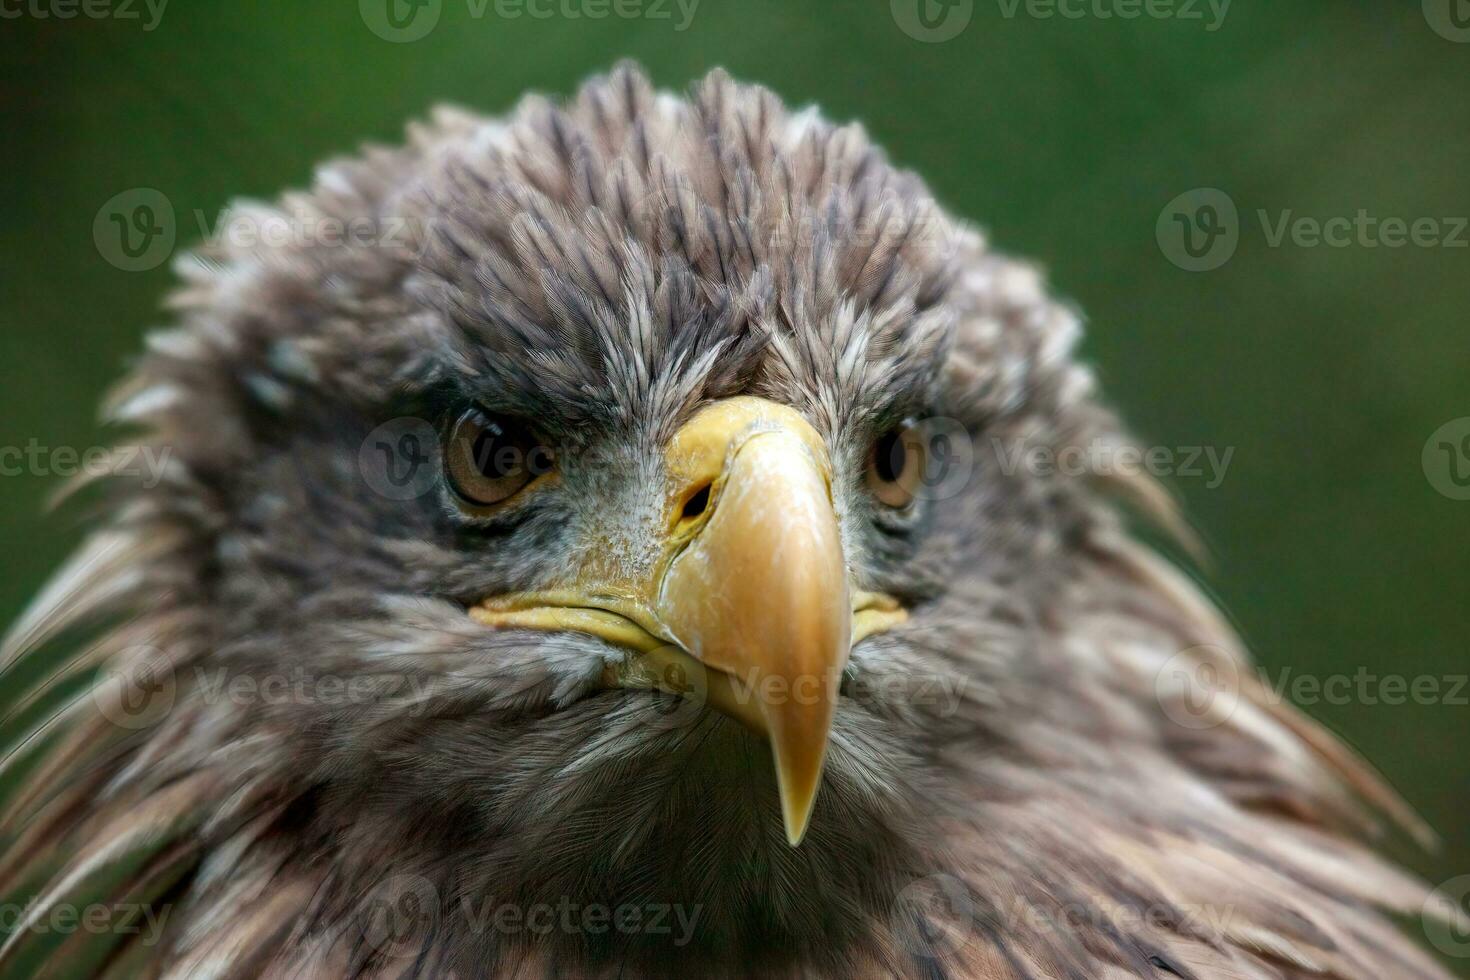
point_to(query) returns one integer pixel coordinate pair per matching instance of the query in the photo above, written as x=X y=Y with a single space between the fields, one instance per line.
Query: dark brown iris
x=896 y=466
x=491 y=457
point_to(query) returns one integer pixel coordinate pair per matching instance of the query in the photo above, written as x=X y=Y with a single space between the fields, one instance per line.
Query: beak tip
x=796 y=825
x=798 y=795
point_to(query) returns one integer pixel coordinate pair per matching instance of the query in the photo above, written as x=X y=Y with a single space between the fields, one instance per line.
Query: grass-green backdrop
x=1326 y=367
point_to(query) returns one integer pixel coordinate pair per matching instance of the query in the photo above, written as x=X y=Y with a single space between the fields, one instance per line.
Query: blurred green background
x=1327 y=369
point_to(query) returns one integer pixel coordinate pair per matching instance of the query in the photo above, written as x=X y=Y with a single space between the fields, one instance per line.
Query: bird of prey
x=620 y=551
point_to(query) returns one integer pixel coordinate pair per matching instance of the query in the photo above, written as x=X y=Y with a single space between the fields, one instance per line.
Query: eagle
x=612 y=540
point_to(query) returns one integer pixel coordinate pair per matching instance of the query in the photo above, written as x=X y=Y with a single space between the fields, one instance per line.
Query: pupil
x=495 y=456
x=891 y=458
x=696 y=504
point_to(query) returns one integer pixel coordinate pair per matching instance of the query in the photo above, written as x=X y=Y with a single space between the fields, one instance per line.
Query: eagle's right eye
x=896 y=464
x=489 y=458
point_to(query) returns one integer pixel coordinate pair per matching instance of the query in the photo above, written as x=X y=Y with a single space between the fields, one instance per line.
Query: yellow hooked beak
x=747 y=604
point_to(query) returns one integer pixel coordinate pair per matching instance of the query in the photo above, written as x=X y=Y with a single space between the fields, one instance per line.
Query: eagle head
x=621 y=551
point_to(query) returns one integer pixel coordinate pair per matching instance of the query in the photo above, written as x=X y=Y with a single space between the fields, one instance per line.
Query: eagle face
x=634 y=522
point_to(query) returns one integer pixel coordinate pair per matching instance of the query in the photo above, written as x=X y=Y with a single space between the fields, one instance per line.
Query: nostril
x=697 y=503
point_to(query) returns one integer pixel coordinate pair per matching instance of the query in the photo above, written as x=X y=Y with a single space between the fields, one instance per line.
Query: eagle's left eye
x=491 y=457
x=896 y=466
